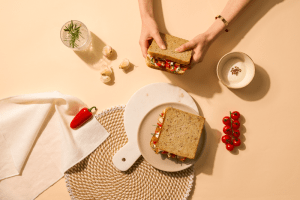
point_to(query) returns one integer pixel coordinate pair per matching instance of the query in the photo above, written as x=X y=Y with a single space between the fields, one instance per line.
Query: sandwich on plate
x=168 y=59
x=177 y=134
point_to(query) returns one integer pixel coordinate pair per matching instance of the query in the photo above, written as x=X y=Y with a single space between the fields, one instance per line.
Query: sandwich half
x=177 y=134
x=168 y=59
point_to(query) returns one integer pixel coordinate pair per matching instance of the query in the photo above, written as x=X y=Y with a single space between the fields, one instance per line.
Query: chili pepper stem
x=92 y=108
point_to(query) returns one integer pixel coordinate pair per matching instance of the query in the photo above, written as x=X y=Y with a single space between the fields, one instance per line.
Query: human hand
x=150 y=31
x=199 y=45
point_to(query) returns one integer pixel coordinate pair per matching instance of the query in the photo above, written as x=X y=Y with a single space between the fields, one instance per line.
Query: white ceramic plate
x=141 y=102
x=161 y=161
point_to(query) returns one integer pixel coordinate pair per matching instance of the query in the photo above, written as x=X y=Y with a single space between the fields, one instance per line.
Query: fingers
x=144 y=47
x=187 y=46
x=159 y=41
x=194 y=62
x=144 y=43
x=196 y=54
x=197 y=57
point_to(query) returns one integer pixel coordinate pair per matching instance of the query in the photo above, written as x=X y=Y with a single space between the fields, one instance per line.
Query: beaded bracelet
x=223 y=20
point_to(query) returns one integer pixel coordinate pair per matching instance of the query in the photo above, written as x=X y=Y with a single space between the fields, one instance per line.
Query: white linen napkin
x=37 y=144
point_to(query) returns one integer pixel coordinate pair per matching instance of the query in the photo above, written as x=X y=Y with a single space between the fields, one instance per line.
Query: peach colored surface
x=265 y=167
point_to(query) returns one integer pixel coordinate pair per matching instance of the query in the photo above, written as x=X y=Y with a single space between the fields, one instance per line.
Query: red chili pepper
x=82 y=116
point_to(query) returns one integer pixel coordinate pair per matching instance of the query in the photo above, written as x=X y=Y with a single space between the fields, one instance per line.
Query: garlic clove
x=124 y=64
x=105 y=79
x=107 y=51
x=106 y=71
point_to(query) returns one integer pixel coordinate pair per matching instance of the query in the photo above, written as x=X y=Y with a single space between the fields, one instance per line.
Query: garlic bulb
x=124 y=64
x=105 y=79
x=107 y=51
x=106 y=71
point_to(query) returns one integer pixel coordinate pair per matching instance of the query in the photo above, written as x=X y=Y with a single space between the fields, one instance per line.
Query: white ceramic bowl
x=235 y=70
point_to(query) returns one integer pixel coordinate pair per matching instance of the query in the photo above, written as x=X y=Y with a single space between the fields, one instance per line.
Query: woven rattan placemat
x=95 y=177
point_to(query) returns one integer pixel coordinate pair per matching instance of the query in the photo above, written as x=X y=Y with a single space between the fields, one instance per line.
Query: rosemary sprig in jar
x=74 y=33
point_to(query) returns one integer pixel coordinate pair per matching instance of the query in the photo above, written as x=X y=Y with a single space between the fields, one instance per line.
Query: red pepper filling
x=168 y=64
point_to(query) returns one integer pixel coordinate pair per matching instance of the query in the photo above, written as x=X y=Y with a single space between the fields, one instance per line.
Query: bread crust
x=169 y=53
x=180 y=133
x=149 y=64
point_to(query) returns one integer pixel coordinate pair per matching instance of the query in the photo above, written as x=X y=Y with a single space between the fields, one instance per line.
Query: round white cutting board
x=137 y=107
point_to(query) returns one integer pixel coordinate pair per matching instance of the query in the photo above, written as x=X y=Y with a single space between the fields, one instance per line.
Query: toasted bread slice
x=149 y=64
x=179 y=134
x=169 y=53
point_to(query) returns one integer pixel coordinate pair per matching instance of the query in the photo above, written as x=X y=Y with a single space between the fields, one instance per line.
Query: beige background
x=265 y=167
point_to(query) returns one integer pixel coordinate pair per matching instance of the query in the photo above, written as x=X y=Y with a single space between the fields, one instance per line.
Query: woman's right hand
x=149 y=31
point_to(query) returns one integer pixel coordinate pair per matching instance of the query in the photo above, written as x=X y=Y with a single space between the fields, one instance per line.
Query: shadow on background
x=129 y=69
x=206 y=161
x=258 y=87
x=205 y=164
x=93 y=55
x=202 y=79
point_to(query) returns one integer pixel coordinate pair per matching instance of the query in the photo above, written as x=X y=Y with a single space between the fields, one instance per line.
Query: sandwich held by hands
x=168 y=59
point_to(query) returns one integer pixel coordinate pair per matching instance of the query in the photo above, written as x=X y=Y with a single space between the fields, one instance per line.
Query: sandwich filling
x=155 y=138
x=167 y=64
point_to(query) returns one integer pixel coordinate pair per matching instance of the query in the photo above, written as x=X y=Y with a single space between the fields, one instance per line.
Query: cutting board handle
x=126 y=156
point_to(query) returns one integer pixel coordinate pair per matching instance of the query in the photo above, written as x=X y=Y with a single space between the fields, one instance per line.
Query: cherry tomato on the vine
x=236 y=133
x=226 y=120
x=227 y=130
x=237 y=142
x=232 y=124
x=235 y=124
x=235 y=115
x=229 y=147
x=226 y=139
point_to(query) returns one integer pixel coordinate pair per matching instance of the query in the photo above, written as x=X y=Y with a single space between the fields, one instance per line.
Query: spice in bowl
x=235 y=70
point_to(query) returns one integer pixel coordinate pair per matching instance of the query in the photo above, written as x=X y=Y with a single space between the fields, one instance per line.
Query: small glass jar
x=75 y=35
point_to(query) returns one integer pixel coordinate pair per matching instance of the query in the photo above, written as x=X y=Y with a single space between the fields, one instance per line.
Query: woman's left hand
x=199 y=45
